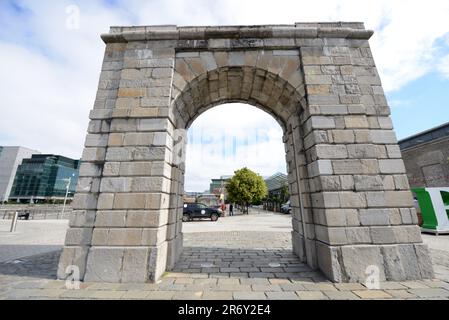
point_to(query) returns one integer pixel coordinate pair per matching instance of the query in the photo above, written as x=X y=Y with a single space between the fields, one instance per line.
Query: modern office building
x=45 y=178
x=10 y=159
x=218 y=185
x=426 y=157
x=276 y=182
x=277 y=186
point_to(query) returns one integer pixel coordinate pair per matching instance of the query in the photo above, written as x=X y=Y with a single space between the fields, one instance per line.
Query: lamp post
x=69 y=181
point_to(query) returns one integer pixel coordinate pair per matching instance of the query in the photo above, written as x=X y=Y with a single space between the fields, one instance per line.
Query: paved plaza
x=220 y=261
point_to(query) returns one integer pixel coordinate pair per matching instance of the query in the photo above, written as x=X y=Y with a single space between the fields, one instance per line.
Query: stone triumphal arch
x=352 y=204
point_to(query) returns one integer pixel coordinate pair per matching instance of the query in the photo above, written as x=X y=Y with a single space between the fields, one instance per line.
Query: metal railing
x=35 y=213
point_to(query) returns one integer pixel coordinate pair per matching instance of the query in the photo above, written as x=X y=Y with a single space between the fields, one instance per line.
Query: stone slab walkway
x=224 y=265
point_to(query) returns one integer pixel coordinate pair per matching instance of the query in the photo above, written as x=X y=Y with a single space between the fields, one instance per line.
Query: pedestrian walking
x=231 y=210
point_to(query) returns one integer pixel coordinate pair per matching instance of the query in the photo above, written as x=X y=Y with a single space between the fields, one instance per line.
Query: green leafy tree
x=284 y=196
x=246 y=187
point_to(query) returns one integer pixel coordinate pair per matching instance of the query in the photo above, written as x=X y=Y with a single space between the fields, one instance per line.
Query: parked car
x=286 y=208
x=24 y=215
x=194 y=211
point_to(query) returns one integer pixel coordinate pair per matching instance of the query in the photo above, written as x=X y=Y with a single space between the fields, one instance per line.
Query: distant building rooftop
x=425 y=136
x=223 y=178
x=276 y=181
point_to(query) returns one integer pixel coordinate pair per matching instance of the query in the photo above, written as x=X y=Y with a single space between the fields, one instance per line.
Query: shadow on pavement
x=42 y=265
x=244 y=263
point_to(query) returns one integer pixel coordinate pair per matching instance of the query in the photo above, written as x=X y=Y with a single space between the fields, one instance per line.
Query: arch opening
x=246 y=237
x=268 y=89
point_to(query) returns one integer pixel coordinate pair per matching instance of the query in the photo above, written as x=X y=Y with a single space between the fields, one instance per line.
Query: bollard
x=14 y=222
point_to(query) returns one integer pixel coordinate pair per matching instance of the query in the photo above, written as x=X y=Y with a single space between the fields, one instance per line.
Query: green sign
x=434 y=205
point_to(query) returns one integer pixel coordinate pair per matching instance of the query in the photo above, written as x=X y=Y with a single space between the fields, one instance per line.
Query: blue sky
x=420 y=105
x=54 y=53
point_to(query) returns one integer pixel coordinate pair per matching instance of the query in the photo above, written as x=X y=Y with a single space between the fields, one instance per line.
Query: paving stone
x=340 y=295
x=282 y=295
x=19 y=294
x=104 y=286
x=435 y=284
x=208 y=281
x=249 y=295
x=266 y=288
x=392 y=285
x=184 y=281
x=227 y=287
x=229 y=270
x=229 y=281
x=48 y=293
x=292 y=287
x=76 y=294
x=219 y=275
x=107 y=294
x=430 y=292
x=401 y=294
x=414 y=285
x=30 y=285
x=183 y=284
x=252 y=270
x=172 y=287
x=135 y=295
x=279 y=281
x=197 y=287
x=311 y=295
x=349 y=286
x=319 y=287
x=187 y=295
x=175 y=275
x=372 y=294
x=251 y=281
x=198 y=276
x=160 y=295
x=261 y=275
x=55 y=285
x=138 y=286
x=167 y=281
x=213 y=295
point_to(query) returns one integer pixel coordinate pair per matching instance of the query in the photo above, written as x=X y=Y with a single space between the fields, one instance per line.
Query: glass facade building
x=45 y=177
x=277 y=196
x=218 y=185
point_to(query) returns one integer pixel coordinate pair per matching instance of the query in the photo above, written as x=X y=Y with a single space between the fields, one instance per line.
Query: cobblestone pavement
x=223 y=265
x=440 y=260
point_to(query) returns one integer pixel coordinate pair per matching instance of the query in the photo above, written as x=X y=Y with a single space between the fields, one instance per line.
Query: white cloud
x=50 y=78
x=443 y=66
x=405 y=31
x=231 y=131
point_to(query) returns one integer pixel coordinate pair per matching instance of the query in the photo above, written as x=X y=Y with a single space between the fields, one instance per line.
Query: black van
x=200 y=211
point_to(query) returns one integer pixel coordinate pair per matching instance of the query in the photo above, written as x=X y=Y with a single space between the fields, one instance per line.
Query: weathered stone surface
x=401 y=262
x=78 y=236
x=375 y=217
x=111 y=219
x=356 y=260
x=395 y=166
x=135 y=265
x=82 y=219
x=104 y=264
x=72 y=256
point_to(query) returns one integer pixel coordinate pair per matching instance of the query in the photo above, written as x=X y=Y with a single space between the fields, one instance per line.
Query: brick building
x=426 y=157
